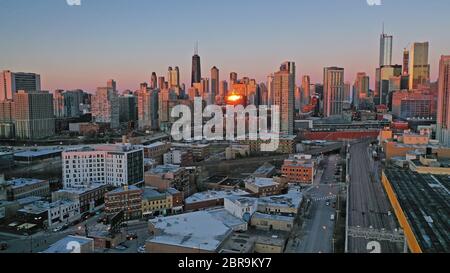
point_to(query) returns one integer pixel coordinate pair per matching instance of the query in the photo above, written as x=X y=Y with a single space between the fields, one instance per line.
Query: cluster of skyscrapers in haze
x=405 y=89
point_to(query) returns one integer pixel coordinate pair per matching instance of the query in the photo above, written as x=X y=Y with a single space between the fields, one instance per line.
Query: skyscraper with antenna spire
x=385 y=48
x=196 y=67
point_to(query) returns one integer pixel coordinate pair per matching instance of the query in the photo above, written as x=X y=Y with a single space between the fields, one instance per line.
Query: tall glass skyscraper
x=419 y=67
x=196 y=68
x=443 y=116
x=386 y=49
x=333 y=88
x=214 y=83
x=284 y=97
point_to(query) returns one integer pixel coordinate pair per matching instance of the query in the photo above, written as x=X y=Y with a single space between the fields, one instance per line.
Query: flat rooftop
x=242 y=200
x=61 y=246
x=22 y=182
x=292 y=199
x=154 y=145
x=280 y=218
x=213 y=195
x=29 y=200
x=152 y=194
x=298 y=163
x=190 y=145
x=418 y=146
x=227 y=218
x=117 y=148
x=93 y=186
x=265 y=169
x=162 y=169
x=198 y=230
x=262 y=182
x=38 y=153
x=425 y=200
x=122 y=189
x=438 y=164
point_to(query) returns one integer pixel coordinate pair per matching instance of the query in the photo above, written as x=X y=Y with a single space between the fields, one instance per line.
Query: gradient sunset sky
x=83 y=46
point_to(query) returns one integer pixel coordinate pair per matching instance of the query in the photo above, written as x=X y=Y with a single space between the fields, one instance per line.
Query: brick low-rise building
x=89 y=198
x=156 y=151
x=262 y=186
x=164 y=177
x=209 y=199
x=24 y=187
x=299 y=169
x=127 y=199
x=156 y=203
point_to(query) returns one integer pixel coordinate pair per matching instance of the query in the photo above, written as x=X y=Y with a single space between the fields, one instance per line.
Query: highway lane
x=368 y=204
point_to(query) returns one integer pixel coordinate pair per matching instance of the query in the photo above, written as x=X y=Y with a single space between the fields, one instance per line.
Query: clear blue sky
x=82 y=47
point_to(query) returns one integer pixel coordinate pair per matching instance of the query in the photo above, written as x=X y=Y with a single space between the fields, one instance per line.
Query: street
x=316 y=235
x=42 y=240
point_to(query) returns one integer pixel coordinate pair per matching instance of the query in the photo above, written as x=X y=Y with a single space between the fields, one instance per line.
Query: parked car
x=57 y=229
x=132 y=236
x=4 y=246
x=102 y=220
x=141 y=249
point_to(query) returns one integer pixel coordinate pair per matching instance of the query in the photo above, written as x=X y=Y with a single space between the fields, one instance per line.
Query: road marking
x=317 y=199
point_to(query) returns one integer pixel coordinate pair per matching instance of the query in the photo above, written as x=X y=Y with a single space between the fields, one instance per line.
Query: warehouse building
x=422 y=205
x=196 y=232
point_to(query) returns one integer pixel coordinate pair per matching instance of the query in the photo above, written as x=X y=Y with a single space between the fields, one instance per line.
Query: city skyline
x=80 y=59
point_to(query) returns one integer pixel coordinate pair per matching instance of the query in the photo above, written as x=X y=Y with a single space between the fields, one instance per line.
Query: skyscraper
x=298 y=98
x=72 y=101
x=333 y=88
x=214 y=83
x=58 y=103
x=419 y=68
x=12 y=82
x=306 y=90
x=33 y=115
x=161 y=83
x=105 y=106
x=385 y=49
x=270 y=79
x=147 y=104
x=111 y=84
x=233 y=78
x=405 y=62
x=154 y=81
x=443 y=115
x=283 y=96
x=384 y=74
x=347 y=92
x=128 y=108
x=174 y=77
x=196 y=68
x=361 y=88
x=223 y=88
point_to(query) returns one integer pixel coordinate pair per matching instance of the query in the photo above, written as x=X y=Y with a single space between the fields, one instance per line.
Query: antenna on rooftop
x=196 y=48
